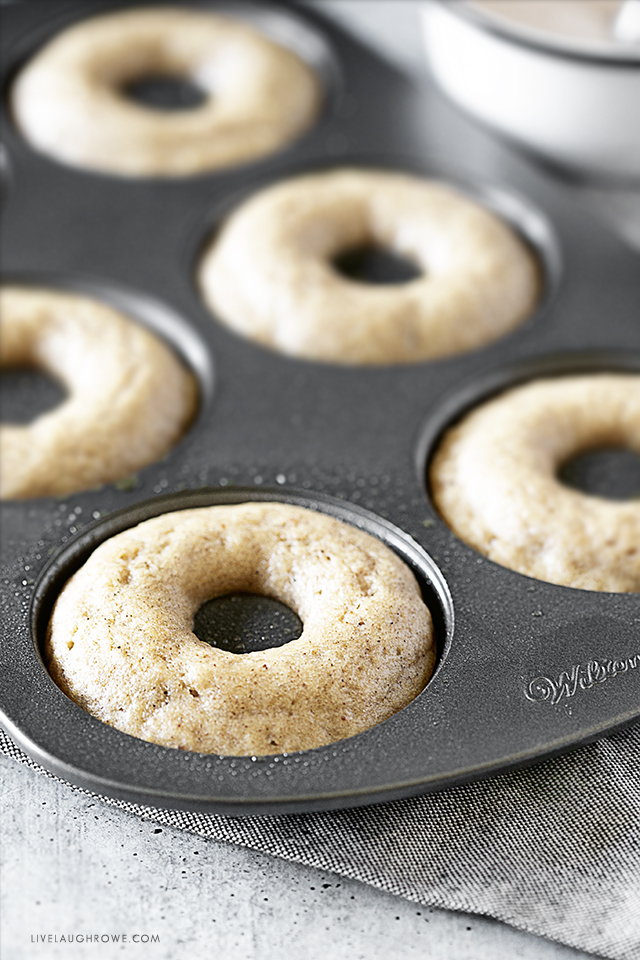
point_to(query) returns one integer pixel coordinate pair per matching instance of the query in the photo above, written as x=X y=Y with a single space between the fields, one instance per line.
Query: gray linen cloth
x=553 y=849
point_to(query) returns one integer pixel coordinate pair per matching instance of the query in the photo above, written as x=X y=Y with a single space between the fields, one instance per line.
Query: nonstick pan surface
x=525 y=669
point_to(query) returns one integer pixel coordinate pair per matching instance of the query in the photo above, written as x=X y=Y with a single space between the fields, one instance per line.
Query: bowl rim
x=624 y=57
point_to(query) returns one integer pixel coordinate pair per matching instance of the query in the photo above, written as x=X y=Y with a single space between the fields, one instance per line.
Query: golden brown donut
x=70 y=102
x=121 y=641
x=494 y=480
x=129 y=397
x=268 y=274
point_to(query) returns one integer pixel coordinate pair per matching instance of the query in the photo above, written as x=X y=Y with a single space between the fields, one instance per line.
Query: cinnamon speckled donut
x=269 y=274
x=494 y=480
x=121 y=641
x=70 y=99
x=129 y=397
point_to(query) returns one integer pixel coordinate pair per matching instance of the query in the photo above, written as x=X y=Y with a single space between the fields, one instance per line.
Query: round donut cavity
x=129 y=398
x=270 y=274
x=75 y=99
x=495 y=478
x=121 y=639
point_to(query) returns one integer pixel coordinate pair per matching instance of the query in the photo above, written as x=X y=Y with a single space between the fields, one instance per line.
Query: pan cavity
x=166 y=92
x=376 y=265
x=27 y=393
x=610 y=472
x=246 y=623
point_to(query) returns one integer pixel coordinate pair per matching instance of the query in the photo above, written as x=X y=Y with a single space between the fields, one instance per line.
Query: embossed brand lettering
x=581 y=677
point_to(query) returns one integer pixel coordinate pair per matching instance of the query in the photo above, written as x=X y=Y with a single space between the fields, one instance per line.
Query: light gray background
x=73 y=865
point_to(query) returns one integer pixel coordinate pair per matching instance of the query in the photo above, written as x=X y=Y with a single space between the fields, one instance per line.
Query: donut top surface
x=70 y=100
x=494 y=479
x=121 y=641
x=270 y=273
x=129 y=398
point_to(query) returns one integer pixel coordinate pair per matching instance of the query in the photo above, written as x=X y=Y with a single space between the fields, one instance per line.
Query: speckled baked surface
x=269 y=271
x=69 y=100
x=121 y=640
x=494 y=478
x=129 y=397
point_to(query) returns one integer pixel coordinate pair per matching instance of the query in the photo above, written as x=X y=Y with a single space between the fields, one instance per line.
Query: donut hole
x=246 y=623
x=165 y=92
x=28 y=392
x=376 y=265
x=611 y=472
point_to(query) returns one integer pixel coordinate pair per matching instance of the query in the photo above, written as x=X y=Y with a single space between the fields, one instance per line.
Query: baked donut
x=269 y=272
x=494 y=480
x=70 y=100
x=129 y=398
x=121 y=641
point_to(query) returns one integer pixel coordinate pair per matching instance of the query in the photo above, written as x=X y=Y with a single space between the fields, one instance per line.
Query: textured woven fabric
x=554 y=849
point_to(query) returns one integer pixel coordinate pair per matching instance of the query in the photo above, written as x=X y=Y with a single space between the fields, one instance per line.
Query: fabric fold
x=553 y=849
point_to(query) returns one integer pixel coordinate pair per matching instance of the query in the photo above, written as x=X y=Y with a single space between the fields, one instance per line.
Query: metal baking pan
x=525 y=669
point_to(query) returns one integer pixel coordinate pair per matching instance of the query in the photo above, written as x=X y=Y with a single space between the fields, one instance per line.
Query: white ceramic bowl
x=579 y=106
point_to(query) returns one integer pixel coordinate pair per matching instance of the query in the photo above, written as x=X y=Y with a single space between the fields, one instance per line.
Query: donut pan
x=526 y=669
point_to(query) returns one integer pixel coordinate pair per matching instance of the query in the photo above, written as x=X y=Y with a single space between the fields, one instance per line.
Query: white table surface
x=71 y=865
